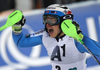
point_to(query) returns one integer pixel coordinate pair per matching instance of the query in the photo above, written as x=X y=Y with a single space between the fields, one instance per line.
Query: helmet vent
x=53 y=12
x=64 y=7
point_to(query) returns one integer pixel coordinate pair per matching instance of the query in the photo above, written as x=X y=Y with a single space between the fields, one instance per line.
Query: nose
x=48 y=25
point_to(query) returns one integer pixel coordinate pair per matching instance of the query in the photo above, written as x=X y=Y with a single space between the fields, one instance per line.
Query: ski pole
x=13 y=18
x=69 y=29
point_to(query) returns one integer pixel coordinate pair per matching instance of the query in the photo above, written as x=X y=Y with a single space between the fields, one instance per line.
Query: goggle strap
x=67 y=16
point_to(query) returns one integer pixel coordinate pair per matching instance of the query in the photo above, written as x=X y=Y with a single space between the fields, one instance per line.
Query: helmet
x=55 y=14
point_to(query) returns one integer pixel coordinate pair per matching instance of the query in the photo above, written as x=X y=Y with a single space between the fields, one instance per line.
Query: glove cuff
x=81 y=36
x=17 y=29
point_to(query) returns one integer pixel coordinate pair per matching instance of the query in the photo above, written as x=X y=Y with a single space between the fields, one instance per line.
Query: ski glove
x=17 y=28
x=79 y=32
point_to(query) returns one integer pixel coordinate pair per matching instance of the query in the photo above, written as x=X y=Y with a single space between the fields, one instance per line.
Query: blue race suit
x=73 y=52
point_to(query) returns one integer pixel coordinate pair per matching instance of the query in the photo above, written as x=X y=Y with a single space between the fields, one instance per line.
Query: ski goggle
x=51 y=19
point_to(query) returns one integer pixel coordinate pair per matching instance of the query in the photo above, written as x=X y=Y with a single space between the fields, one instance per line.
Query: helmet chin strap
x=57 y=37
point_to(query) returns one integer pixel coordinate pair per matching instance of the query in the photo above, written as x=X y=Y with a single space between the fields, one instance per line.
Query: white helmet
x=59 y=12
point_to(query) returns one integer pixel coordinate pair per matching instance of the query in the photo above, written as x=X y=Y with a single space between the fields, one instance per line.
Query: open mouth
x=50 y=31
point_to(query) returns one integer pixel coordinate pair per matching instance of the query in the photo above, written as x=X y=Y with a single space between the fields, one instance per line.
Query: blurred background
x=25 y=5
x=86 y=13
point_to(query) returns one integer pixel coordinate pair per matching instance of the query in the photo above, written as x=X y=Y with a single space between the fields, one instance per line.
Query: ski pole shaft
x=91 y=54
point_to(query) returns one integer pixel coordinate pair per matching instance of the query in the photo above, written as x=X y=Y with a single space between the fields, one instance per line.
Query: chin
x=52 y=36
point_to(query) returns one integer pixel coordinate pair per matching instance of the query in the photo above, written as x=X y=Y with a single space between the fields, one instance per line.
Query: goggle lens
x=50 y=19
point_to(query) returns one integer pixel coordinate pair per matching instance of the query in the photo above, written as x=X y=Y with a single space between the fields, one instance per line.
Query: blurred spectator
x=38 y=4
x=6 y=5
x=48 y=2
x=24 y=5
x=30 y=4
x=45 y=3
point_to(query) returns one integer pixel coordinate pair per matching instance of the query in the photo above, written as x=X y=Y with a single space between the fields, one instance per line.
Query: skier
x=65 y=52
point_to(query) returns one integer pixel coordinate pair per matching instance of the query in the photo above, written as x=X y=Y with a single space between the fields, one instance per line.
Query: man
x=65 y=52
